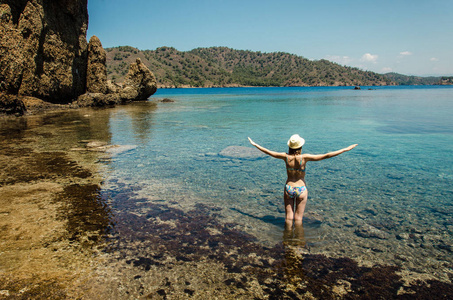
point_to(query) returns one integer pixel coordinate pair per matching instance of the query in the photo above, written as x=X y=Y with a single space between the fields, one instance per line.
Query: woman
x=296 y=193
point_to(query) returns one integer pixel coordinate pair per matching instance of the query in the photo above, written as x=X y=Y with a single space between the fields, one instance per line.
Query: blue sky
x=412 y=37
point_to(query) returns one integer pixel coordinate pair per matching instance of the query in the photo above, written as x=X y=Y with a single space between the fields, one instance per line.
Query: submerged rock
x=166 y=100
x=118 y=149
x=368 y=231
x=101 y=146
x=313 y=217
x=242 y=152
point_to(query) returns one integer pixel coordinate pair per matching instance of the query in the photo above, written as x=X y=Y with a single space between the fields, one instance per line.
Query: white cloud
x=369 y=57
x=342 y=60
x=386 y=70
x=434 y=59
x=405 y=53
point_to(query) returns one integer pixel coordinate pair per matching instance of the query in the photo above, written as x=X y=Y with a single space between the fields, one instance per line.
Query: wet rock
x=98 y=100
x=139 y=83
x=446 y=245
x=96 y=68
x=368 y=231
x=101 y=146
x=242 y=152
x=313 y=218
x=371 y=211
x=11 y=104
x=403 y=236
x=96 y=144
x=118 y=149
x=360 y=216
x=166 y=100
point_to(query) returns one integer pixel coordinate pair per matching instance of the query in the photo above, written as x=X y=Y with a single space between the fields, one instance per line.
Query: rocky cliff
x=44 y=54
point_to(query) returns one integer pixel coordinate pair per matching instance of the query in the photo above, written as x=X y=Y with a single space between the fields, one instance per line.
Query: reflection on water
x=294 y=234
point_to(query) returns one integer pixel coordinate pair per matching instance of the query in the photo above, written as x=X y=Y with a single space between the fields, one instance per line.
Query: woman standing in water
x=296 y=193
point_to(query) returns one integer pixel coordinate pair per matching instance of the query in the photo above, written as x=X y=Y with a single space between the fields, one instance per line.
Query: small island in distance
x=226 y=67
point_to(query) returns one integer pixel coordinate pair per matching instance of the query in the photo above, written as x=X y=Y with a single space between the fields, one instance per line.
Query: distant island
x=226 y=67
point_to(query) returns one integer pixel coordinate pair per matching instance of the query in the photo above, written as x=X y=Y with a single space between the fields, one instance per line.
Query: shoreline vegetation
x=226 y=67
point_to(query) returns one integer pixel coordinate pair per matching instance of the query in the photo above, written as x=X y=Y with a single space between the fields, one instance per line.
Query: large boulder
x=96 y=68
x=43 y=49
x=139 y=83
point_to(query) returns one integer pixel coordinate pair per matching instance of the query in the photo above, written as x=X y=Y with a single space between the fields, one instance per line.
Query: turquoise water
x=398 y=180
x=144 y=194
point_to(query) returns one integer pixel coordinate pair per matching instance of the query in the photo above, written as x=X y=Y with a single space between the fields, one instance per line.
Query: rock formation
x=96 y=68
x=140 y=83
x=43 y=48
x=44 y=54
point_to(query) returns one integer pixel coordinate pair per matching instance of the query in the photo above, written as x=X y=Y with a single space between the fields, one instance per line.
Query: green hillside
x=412 y=80
x=225 y=67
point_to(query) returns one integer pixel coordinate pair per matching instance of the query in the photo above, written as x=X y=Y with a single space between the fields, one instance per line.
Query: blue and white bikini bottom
x=295 y=191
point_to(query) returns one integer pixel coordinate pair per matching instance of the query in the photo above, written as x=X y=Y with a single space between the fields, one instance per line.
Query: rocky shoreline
x=46 y=62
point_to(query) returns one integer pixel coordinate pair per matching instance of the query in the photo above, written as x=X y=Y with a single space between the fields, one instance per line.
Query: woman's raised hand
x=351 y=147
x=252 y=142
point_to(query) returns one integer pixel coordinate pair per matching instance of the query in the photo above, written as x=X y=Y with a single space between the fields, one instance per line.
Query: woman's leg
x=289 y=207
x=300 y=207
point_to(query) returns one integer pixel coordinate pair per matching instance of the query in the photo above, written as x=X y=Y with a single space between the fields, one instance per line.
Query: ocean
x=178 y=193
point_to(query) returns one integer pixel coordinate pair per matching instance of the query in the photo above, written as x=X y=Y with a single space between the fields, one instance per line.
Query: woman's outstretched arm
x=280 y=155
x=311 y=157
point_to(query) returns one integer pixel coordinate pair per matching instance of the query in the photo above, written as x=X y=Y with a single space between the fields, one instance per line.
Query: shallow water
x=387 y=202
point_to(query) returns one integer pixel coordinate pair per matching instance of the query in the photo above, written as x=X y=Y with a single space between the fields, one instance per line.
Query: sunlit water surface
x=389 y=201
x=398 y=180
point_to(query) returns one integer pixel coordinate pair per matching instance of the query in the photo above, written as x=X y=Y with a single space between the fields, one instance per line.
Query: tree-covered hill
x=401 y=79
x=223 y=67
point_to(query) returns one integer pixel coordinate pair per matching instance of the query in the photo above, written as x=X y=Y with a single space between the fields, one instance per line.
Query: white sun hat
x=295 y=141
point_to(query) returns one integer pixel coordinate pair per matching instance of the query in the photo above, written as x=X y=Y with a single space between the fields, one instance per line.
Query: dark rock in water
x=242 y=152
x=445 y=245
x=368 y=231
x=371 y=211
x=165 y=100
x=403 y=236
x=96 y=68
x=139 y=84
x=313 y=218
x=11 y=104
x=357 y=88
